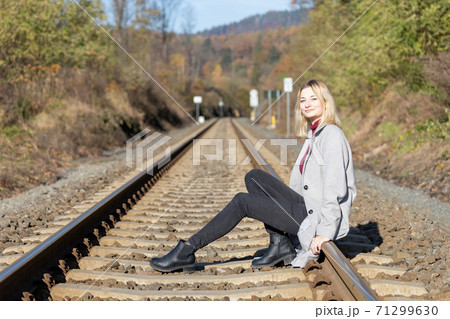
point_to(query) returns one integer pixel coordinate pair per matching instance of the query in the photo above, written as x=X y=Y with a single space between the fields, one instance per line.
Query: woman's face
x=310 y=105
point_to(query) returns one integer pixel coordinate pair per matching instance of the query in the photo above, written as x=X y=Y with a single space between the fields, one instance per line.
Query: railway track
x=108 y=258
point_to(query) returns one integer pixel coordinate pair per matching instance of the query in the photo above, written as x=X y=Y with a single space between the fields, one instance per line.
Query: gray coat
x=327 y=186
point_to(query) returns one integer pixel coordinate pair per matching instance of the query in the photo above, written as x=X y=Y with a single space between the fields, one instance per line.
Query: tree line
x=44 y=43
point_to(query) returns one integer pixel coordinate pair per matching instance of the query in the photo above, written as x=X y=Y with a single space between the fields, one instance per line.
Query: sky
x=211 y=13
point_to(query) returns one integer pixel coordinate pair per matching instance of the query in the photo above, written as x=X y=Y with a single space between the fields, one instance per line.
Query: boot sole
x=185 y=268
x=285 y=259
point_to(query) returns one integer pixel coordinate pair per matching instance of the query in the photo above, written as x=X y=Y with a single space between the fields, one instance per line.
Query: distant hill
x=269 y=20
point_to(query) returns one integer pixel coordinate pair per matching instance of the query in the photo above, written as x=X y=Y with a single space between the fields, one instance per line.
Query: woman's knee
x=239 y=198
x=251 y=176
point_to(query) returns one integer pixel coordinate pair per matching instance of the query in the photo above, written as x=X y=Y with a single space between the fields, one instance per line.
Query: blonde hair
x=329 y=116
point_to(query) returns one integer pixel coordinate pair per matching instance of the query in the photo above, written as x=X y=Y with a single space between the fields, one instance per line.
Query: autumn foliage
x=57 y=64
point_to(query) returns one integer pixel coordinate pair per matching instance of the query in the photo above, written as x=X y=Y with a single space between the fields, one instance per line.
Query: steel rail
x=357 y=286
x=255 y=157
x=19 y=277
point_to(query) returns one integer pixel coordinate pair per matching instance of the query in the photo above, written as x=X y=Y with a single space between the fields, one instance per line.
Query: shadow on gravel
x=361 y=239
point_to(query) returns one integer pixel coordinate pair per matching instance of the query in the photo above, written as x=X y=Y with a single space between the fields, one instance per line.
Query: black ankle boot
x=181 y=257
x=280 y=249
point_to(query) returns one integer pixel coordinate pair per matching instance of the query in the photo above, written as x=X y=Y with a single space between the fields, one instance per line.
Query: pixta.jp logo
x=142 y=147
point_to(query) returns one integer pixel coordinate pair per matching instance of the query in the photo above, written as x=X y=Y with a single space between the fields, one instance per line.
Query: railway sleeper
x=391 y=288
x=103 y=263
x=103 y=251
x=372 y=271
x=142 y=243
x=72 y=291
x=234 y=234
x=372 y=259
x=173 y=227
x=81 y=275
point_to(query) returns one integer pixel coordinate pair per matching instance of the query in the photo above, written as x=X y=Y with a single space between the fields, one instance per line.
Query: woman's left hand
x=316 y=244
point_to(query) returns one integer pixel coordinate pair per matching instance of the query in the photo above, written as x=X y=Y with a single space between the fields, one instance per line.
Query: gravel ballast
x=411 y=227
x=21 y=214
x=405 y=224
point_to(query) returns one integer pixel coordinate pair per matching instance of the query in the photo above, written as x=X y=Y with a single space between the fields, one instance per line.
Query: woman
x=315 y=206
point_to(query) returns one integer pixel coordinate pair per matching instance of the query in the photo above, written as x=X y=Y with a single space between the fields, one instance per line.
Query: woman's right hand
x=316 y=244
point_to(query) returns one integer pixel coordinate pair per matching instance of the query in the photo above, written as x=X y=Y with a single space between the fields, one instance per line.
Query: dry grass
x=35 y=151
x=53 y=116
x=377 y=143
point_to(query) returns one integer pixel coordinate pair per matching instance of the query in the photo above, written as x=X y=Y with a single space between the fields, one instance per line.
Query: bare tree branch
x=168 y=10
x=121 y=18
